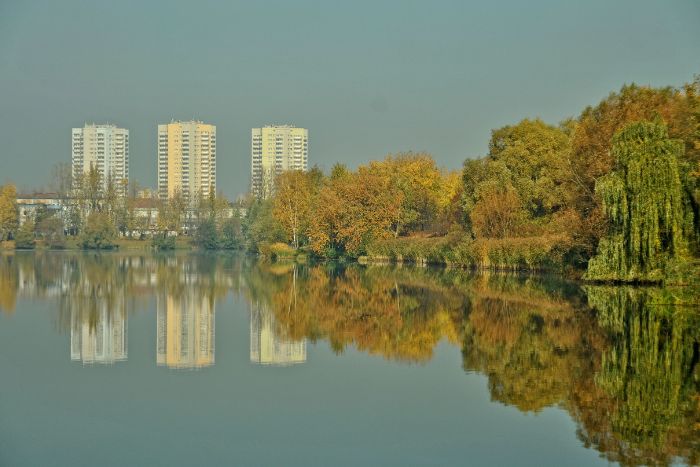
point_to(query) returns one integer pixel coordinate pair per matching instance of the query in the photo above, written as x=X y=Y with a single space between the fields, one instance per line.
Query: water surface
x=187 y=359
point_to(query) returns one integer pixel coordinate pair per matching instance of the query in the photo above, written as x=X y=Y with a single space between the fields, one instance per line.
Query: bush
x=51 y=230
x=24 y=240
x=281 y=250
x=206 y=236
x=99 y=233
x=231 y=238
x=163 y=242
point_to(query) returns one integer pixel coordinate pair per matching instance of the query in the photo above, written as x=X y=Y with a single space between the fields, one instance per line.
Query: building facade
x=275 y=149
x=186 y=159
x=29 y=205
x=105 y=147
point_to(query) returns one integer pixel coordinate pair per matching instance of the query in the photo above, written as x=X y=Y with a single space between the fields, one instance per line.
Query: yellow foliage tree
x=8 y=211
x=292 y=203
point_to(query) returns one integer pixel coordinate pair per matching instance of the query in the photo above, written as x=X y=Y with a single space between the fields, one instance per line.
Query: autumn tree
x=87 y=188
x=592 y=137
x=8 y=211
x=292 y=204
x=354 y=209
x=171 y=213
x=419 y=180
x=522 y=189
x=498 y=213
x=594 y=129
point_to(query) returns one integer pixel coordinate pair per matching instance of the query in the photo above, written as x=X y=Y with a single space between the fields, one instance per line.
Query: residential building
x=186 y=159
x=105 y=147
x=275 y=149
x=28 y=205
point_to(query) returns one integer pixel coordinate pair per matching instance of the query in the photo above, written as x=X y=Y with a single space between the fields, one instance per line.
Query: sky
x=367 y=78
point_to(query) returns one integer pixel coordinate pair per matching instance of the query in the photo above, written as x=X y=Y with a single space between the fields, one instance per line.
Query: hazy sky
x=366 y=77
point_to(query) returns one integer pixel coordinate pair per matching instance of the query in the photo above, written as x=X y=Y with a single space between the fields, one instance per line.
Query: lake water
x=185 y=359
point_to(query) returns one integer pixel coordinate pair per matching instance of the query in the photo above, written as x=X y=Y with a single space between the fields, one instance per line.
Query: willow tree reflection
x=649 y=375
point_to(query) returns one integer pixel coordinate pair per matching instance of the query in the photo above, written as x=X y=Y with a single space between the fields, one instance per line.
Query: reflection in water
x=185 y=323
x=624 y=362
x=649 y=376
x=267 y=346
x=103 y=340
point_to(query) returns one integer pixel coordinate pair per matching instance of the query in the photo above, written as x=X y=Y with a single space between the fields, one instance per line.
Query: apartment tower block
x=186 y=159
x=104 y=147
x=274 y=150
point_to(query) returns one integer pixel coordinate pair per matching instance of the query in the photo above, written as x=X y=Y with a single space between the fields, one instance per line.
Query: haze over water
x=139 y=359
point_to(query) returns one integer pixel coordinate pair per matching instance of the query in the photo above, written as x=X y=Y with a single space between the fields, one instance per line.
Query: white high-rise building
x=105 y=147
x=275 y=149
x=186 y=159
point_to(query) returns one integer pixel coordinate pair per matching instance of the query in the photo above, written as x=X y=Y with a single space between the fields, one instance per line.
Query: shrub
x=24 y=240
x=231 y=238
x=99 y=233
x=206 y=236
x=281 y=250
x=163 y=242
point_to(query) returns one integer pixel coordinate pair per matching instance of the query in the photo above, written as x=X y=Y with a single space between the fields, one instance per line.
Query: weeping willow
x=643 y=199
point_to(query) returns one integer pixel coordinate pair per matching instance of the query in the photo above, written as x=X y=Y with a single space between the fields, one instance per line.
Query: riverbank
x=128 y=244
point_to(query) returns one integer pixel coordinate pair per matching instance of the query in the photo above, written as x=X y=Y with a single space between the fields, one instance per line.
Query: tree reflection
x=531 y=343
x=624 y=362
x=9 y=282
x=650 y=376
x=397 y=314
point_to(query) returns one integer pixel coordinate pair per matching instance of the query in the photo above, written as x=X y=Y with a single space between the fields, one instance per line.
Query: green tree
x=643 y=199
x=99 y=232
x=260 y=226
x=51 y=230
x=24 y=240
x=526 y=170
x=231 y=236
x=206 y=235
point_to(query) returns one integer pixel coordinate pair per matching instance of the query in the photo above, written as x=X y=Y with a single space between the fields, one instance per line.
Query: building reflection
x=101 y=336
x=267 y=347
x=185 y=331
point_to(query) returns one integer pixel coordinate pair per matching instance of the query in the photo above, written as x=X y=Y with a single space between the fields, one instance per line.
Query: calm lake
x=124 y=359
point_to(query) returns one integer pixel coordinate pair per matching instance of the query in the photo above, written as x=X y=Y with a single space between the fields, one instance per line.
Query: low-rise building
x=29 y=205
